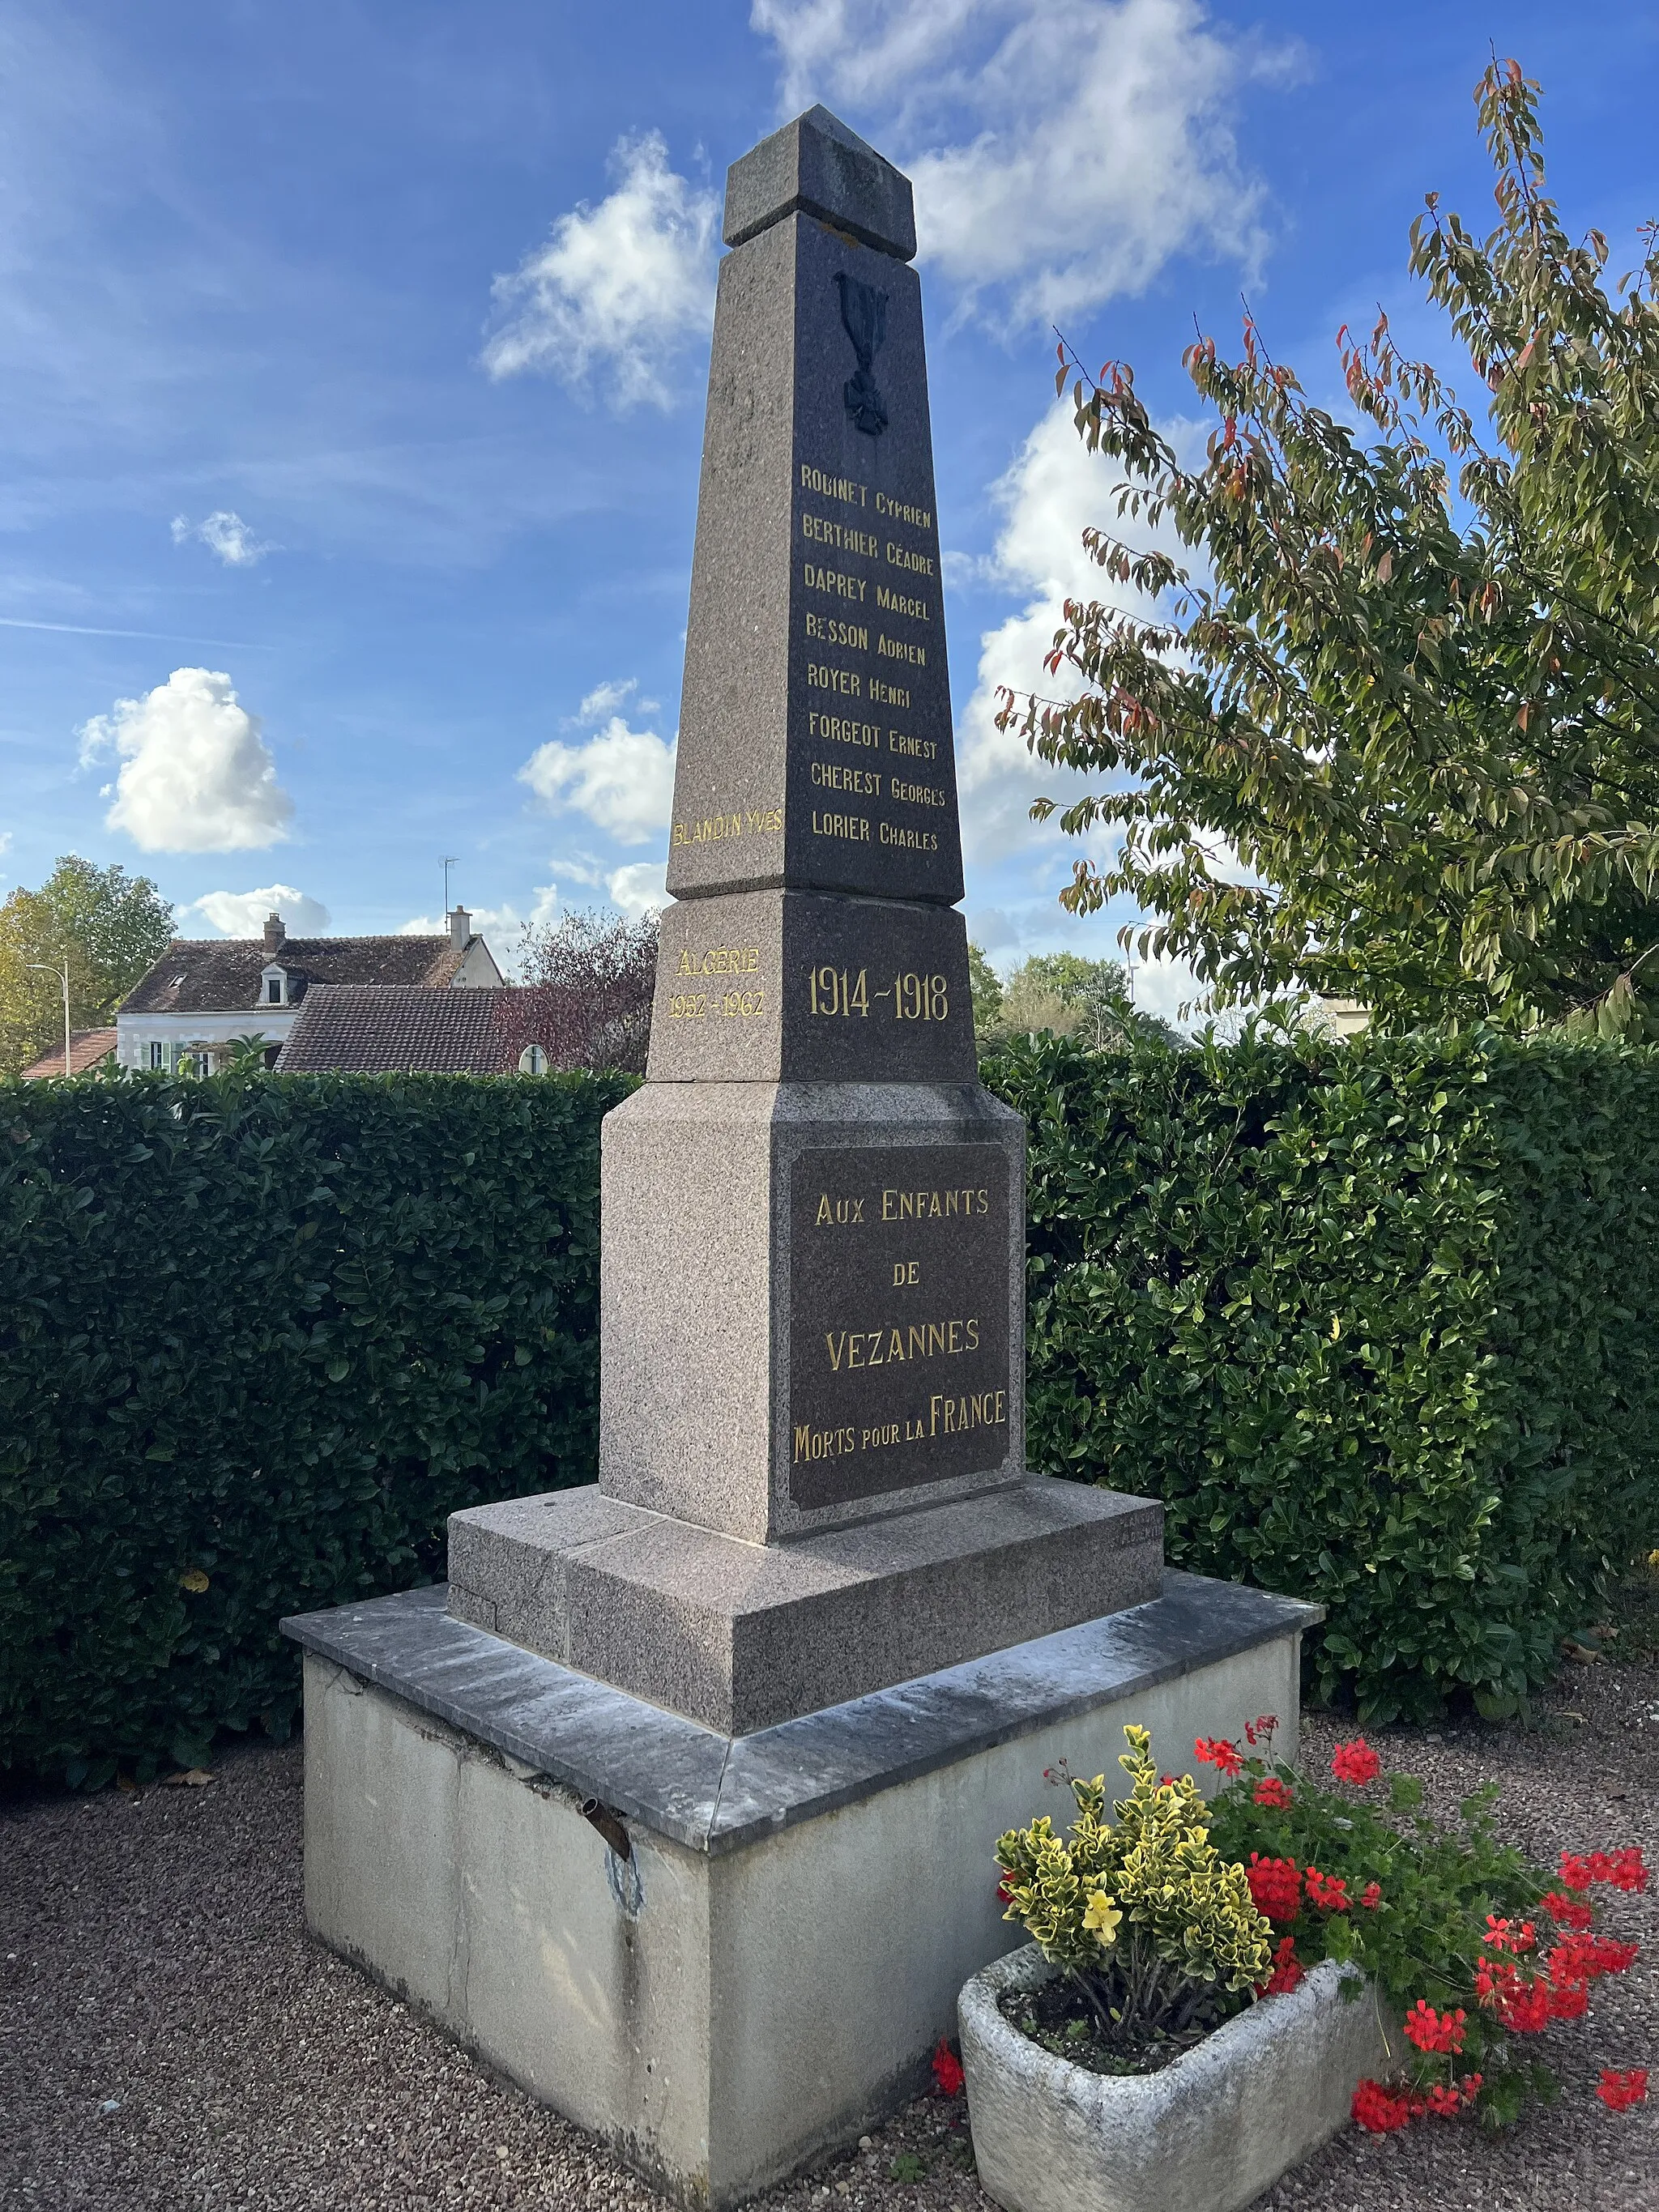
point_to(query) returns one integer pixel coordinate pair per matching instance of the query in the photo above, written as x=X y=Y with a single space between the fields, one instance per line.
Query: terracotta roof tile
x=87 y=1048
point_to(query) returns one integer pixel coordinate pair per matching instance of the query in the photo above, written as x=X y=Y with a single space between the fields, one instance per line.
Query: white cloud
x=604 y=700
x=617 y=287
x=622 y=780
x=242 y=914
x=638 y=888
x=196 y=775
x=1060 y=154
x=225 y=534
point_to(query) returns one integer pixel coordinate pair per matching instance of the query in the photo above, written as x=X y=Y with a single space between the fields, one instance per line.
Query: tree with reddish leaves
x=587 y=984
x=1390 y=732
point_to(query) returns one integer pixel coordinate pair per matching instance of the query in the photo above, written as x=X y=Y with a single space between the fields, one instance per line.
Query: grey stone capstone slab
x=741 y=1636
x=713 y=1794
x=818 y=165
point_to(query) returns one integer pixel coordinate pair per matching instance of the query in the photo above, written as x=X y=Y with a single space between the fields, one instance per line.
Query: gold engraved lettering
x=830 y=776
x=824 y=532
x=840 y=730
x=900 y=556
x=920 y=794
x=953 y=1417
x=913 y=748
x=854 y=829
x=832 y=579
x=837 y=1212
x=917 y=517
x=846 y=680
x=828 y=631
x=896 y=648
x=688 y=1005
x=909 y=841
x=848 y=489
x=906 y=1272
x=925 y=1205
x=886 y=694
x=721 y=960
x=823 y=1443
x=758 y=822
x=895 y=603
x=851 y=1350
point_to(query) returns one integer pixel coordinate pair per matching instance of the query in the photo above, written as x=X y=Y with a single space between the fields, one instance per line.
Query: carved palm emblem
x=864 y=318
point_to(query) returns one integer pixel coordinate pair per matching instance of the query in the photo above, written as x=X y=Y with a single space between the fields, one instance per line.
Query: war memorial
x=676 y=1804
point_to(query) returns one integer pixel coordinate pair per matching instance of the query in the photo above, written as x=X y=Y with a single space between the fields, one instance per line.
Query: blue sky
x=353 y=360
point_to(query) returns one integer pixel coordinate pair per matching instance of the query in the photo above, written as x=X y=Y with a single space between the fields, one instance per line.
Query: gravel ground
x=171 y=2038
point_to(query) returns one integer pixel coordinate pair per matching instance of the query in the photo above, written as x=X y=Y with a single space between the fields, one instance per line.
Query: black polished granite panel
x=714 y=1794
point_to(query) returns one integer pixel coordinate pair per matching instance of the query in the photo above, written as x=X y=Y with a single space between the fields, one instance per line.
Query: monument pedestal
x=765 y=1972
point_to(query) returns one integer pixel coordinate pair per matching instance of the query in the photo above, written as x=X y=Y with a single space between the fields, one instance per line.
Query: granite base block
x=740 y=1637
x=764 y=1973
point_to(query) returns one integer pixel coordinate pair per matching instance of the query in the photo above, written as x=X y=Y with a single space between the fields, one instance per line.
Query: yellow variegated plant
x=1156 y=1930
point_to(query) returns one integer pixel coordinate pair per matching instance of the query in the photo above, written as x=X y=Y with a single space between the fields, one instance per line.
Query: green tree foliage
x=110 y=925
x=259 y=1337
x=1375 y=1321
x=1062 y=994
x=1393 y=734
x=986 y=987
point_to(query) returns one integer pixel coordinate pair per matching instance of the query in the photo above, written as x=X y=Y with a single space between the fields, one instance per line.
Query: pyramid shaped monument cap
x=818 y=166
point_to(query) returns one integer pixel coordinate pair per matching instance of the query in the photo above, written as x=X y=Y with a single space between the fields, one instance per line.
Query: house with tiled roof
x=87 y=1048
x=378 y=1029
x=201 y=997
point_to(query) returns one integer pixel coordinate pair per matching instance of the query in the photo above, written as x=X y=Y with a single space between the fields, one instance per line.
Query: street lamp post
x=47 y=970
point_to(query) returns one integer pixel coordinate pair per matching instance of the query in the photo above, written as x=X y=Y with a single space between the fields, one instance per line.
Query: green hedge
x=262 y=1335
x=1377 y=1321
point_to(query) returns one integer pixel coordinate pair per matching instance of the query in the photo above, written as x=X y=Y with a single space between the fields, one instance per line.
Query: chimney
x=275 y=934
x=460 y=929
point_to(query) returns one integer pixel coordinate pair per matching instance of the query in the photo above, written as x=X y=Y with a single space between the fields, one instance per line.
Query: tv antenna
x=450 y=860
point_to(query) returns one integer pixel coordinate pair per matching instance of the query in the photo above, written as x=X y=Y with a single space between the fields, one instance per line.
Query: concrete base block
x=1207 y=2134
x=741 y=1636
x=766 y=1972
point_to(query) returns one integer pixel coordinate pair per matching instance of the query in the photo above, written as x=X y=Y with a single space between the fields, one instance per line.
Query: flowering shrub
x=1150 y=1925
x=1478 y=1950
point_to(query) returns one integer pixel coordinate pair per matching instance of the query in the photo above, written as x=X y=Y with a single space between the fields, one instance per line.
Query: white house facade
x=203 y=997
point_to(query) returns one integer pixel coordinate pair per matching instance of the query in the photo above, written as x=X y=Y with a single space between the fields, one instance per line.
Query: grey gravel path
x=153 y=1958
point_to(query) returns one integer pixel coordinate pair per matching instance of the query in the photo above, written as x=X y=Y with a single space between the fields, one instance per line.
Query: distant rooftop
x=219 y=974
x=394 y=1028
x=87 y=1048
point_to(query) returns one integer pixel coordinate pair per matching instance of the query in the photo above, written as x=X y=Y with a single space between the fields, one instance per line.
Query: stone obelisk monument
x=679 y=1805
x=812 y=1469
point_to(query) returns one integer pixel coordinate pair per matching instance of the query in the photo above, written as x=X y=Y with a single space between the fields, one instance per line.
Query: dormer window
x=275 y=987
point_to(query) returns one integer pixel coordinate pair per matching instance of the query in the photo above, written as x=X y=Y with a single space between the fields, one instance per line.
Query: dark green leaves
x=279 y=1327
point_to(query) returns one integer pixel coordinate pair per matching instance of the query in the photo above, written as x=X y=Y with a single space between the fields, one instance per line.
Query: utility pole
x=46 y=970
x=450 y=860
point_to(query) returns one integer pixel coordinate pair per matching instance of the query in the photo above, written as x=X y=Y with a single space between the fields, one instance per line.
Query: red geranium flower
x=1618 y=2092
x=1329 y=1891
x=1628 y=1870
x=947 y=2070
x=1288 y=1971
x=1567 y=1911
x=1264 y=1724
x=1275 y=1887
x=1273 y=1793
x=1356 y=1762
x=1217 y=1751
x=1378 y=2110
x=1435 y=2030
x=1371 y=1896
x=1505 y=1936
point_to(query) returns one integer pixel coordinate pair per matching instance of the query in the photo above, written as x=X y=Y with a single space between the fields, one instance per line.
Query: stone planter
x=1207 y=2133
